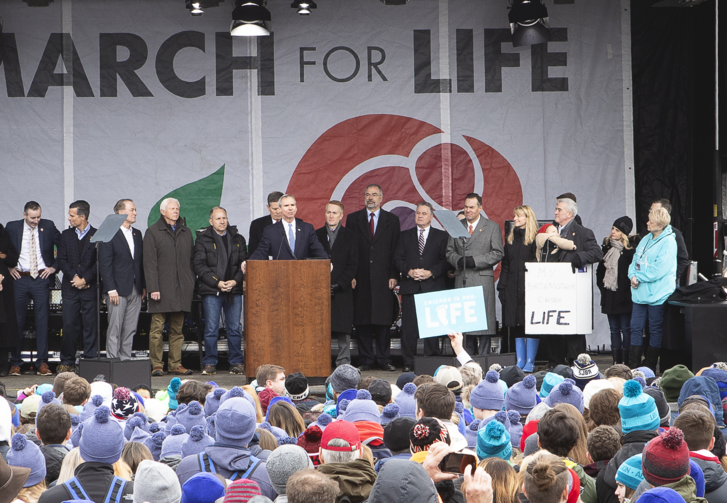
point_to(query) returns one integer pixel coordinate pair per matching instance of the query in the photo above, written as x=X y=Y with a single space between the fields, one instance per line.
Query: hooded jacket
x=632 y=443
x=655 y=267
x=708 y=388
x=355 y=479
x=715 y=489
x=401 y=480
x=53 y=455
x=685 y=487
x=228 y=459
x=96 y=480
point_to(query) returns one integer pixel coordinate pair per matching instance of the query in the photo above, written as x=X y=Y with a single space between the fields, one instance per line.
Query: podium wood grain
x=288 y=316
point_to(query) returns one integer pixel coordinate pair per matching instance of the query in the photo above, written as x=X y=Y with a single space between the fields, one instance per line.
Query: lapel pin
x=574 y=233
x=41 y=229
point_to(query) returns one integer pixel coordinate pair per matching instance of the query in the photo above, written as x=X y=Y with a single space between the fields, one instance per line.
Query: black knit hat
x=396 y=433
x=296 y=385
x=512 y=375
x=624 y=224
x=405 y=379
x=380 y=391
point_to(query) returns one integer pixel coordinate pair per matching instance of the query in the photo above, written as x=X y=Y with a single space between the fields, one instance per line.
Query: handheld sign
x=558 y=300
x=460 y=310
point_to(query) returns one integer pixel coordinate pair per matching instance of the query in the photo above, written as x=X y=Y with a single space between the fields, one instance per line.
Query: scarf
x=610 y=260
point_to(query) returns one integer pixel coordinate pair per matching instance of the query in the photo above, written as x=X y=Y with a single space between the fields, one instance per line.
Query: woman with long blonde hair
x=505 y=482
x=519 y=248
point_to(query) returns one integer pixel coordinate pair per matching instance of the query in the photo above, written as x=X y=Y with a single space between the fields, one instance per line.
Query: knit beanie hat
x=172 y=445
x=406 y=401
x=550 y=380
x=238 y=392
x=104 y=389
x=310 y=441
x=661 y=495
x=284 y=462
x=512 y=375
x=26 y=454
x=362 y=408
x=672 y=381
x=488 y=394
x=625 y=225
x=275 y=400
x=212 y=401
x=405 y=379
x=396 y=433
x=538 y=412
x=566 y=392
x=471 y=433
x=172 y=390
x=192 y=415
x=278 y=433
x=380 y=391
x=296 y=386
x=196 y=442
x=661 y=406
x=203 y=488
x=235 y=422
x=345 y=377
x=501 y=417
x=322 y=421
x=594 y=387
x=516 y=427
x=265 y=396
x=584 y=370
x=493 y=441
x=124 y=404
x=427 y=431
x=102 y=441
x=389 y=413
x=648 y=373
x=242 y=491
x=46 y=398
x=138 y=420
x=530 y=429
x=666 y=458
x=629 y=473
x=138 y=435
x=521 y=397
x=156 y=482
x=154 y=444
x=638 y=410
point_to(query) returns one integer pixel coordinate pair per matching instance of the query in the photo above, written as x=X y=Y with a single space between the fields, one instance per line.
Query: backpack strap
x=116 y=490
x=254 y=463
x=206 y=464
x=75 y=489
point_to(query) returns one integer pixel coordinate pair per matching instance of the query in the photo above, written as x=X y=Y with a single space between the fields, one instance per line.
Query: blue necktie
x=291 y=237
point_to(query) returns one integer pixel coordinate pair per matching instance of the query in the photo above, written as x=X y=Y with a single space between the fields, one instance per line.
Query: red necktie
x=471 y=229
x=371 y=224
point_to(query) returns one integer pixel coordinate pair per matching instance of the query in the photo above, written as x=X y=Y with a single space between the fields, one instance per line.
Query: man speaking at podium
x=289 y=239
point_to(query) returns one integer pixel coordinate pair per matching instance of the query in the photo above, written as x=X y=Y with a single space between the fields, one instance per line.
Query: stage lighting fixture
x=528 y=22
x=250 y=18
x=304 y=6
x=194 y=8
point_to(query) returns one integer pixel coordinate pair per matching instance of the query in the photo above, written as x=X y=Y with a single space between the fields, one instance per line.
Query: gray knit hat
x=345 y=377
x=156 y=482
x=284 y=462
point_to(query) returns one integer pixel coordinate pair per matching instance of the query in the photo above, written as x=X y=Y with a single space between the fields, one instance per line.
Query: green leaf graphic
x=196 y=199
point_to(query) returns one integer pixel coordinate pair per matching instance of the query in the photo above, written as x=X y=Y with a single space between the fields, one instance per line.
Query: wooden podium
x=288 y=316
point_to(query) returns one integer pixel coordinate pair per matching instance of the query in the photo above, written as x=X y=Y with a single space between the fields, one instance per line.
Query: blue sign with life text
x=460 y=310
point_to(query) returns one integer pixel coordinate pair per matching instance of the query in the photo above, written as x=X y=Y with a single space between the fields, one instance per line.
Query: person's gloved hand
x=470 y=261
x=335 y=288
x=576 y=261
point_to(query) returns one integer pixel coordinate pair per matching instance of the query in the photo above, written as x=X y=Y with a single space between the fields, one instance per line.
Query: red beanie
x=265 y=396
x=666 y=458
x=528 y=429
x=310 y=440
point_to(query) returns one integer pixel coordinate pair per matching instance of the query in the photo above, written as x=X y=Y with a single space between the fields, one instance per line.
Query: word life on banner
x=461 y=310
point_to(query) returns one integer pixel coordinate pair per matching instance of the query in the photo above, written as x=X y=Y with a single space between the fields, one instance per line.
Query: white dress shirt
x=473 y=224
x=287 y=226
x=376 y=213
x=24 y=260
x=426 y=233
x=129 y=235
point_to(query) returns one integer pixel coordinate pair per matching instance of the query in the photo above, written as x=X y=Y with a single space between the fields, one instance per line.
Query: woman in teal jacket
x=653 y=275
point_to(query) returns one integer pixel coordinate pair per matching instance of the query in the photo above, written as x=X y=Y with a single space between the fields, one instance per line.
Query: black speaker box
x=428 y=364
x=126 y=373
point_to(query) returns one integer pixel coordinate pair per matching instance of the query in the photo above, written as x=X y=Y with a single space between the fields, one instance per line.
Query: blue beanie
x=139 y=435
x=349 y=394
x=196 y=442
x=516 y=428
x=102 y=440
x=406 y=401
x=46 y=398
x=235 y=422
x=275 y=400
x=362 y=408
x=154 y=444
x=212 y=401
x=661 y=495
x=471 y=433
x=138 y=420
x=566 y=392
x=493 y=441
x=521 y=397
x=211 y=425
x=698 y=475
x=193 y=415
x=172 y=389
x=638 y=410
x=203 y=488
x=550 y=381
x=94 y=403
x=488 y=394
x=629 y=473
x=648 y=373
x=389 y=413
x=322 y=421
x=238 y=392
x=172 y=445
x=26 y=454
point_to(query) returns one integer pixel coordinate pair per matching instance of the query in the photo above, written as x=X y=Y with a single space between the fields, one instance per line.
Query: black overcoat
x=618 y=302
x=511 y=286
x=344 y=258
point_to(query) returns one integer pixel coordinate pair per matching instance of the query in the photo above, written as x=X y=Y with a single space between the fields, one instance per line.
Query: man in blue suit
x=35 y=239
x=290 y=238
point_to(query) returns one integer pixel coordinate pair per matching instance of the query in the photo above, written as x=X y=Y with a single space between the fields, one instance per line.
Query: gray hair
x=338 y=456
x=165 y=202
x=381 y=191
x=280 y=201
x=570 y=205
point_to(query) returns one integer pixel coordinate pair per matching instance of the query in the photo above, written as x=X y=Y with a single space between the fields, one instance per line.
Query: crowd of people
x=464 y=434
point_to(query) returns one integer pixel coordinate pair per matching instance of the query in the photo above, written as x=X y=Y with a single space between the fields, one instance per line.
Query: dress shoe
x=388 y=367
x=180 y=371
x=365 y=368
x=14 y=371
x=157 y=372
x=407 y=369
x=44 y=370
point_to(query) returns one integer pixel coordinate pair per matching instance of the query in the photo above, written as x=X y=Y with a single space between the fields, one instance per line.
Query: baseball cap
x=342 y=430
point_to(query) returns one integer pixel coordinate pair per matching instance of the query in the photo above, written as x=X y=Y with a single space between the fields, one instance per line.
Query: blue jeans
x=620 y=324
x=213 y=307
x=655 y=314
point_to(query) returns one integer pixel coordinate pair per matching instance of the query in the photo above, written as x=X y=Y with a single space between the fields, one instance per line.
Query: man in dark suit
x=77 y=260
x=587 y=251
x=421 y=258
x=34 y=238
x=342 y=248
x=258 y=225
x=122 y=274
x=373 y=305
x=289 y=239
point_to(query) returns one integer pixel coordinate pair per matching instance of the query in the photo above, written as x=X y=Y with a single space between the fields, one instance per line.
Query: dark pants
x=563 y=349
x=344 y=348
x=366 y=335
x=620 y=325
x=482 y=342
x=410 y=333
x=655 y=316
x=27 y=288
x=79 y=317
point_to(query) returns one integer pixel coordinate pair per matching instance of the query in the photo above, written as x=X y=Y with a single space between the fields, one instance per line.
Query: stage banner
x=461 y=310
x=106 y=100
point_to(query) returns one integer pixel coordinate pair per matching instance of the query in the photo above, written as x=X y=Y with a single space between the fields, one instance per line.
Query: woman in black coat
x=613 y=281
x=8 y=321
x=519 y=248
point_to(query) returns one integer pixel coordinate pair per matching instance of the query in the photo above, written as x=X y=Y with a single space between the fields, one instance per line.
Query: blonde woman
x=519 y=248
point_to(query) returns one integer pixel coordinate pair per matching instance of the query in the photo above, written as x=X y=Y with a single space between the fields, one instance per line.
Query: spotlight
x=194 y=8
x=304 y=6
x=250 y=18
x=528 y=22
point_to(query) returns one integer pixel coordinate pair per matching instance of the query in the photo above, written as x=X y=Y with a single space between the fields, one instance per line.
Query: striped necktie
x=421 y=241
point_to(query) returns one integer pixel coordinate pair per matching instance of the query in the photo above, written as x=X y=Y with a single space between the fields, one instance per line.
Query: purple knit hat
x=196 y=442
x=488 y=394
x=566 y=392
x=522 y=397
x=192 y=415
x=362 y=408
